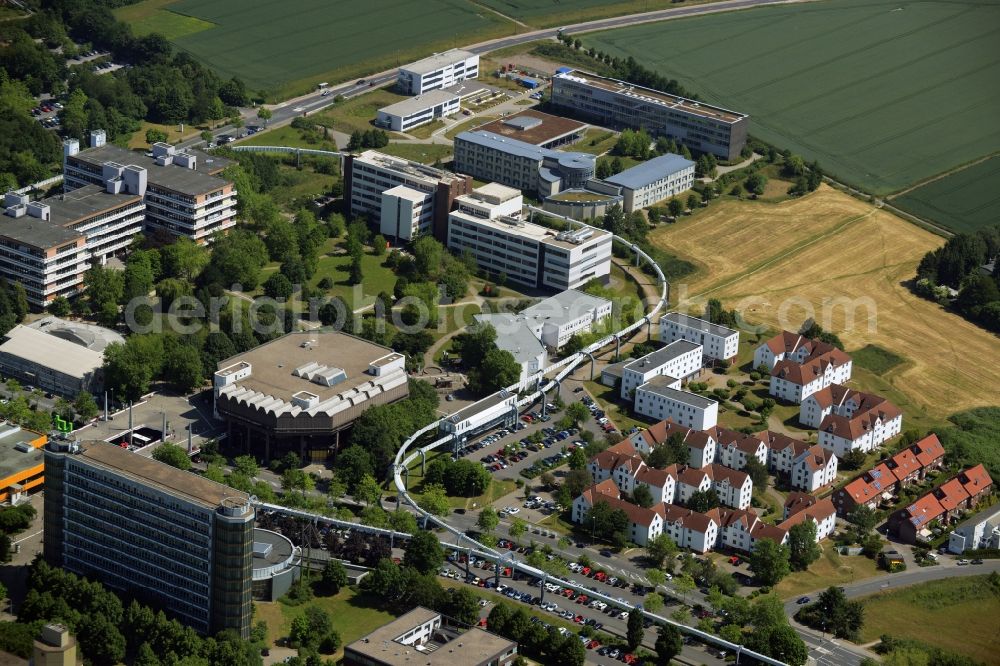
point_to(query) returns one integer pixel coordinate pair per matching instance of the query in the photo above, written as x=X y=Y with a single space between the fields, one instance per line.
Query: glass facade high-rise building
x=149 y=529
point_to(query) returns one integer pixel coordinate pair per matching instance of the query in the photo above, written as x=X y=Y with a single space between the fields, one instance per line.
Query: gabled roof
x=871 y=409
x=718 y=472
x=815 y=457
x=777 y=441
x=748 y=444
x=692 y=520
x=903 y=464
x=692 y=476
x=727 y=517
x=796 y=501
x=832 y=395
x=818 y=512
x=612 y=457
x=601 y=491
x=975 y=480
x=762 y=530
x=928 y=450
x=786 y=342
x=813 y=366
x=656 y=477
x=697 y=439
x=923 y=511
x=951 y=494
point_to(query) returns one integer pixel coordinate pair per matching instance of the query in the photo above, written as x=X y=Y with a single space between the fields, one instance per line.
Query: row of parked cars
x=599 y=415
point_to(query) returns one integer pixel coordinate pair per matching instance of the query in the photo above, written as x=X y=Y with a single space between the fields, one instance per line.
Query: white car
x=512 y=510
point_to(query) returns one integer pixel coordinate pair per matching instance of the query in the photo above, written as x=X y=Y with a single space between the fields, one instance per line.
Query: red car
x=630 y=658
x=600 y=576
x=579 y=619
x=582 y=599
x=734 y=560
x=593 y=645
x=482 y=622
x=585 y=570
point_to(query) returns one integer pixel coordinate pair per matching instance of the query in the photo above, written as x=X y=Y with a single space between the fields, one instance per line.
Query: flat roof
x=33 y=232
x=171 y=176
x=13 y=461
x=650 y=171
x=564 y=307
x=491 y=400
x=412 y=105
x=437 y=61
x=469 y=648
x=408 y=193
x=663 y=355
x=415 y=169
x=528 y=230
x=469 y=88
x=193 y=487
x=91 y=336
x=273 y=363
x=280 y=548
x=513 y=335
x=50 y=351
x=518 y=148
x=654 y=96
x=660 y=386
x=533 y=127
x=698 y=324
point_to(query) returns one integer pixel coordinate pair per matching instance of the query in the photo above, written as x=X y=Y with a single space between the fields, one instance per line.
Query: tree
x=517 y=528
x=578 y=412
x=769 y=561
x=635 y=631
x=675 y=207
x=278 y=286
x=353 y=464
x=264 y=114
x=578 y=459
x=463 y=606
x=183 y=368
x=173 y=455
x=334 y=576
x=802 y=547
x=864 y=520
x=642 y=495
x=784 y=643
x=757 y=471
x=487 y=520
x=571 y=651
x=756 y=182
x=669 y=643
x=606 y=522
x=434 y=499
x=368 y=490
x=379 y=245
x=703 y=501
x=154 y=135
x=499 y=370
x=206 y=136
x=660 y=549
x=85 y=406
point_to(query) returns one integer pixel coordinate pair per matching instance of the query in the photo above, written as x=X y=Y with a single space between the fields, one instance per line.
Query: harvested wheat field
x=843 y=262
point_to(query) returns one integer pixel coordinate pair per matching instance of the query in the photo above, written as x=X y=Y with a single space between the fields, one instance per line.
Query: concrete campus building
x=56 y=355
x=48 y=245
x=142 y=526
x=536 y=128
x=183 y=191
x=718 y=343
x=423 y=636
x=416 y=111
x=299 y=392
x=980 y=531
x=607 y=101
x=679 y=360
x=440 y=70
x=654 y=180
x=484 y=223
x=408 y=198
x=662 y=398
x=522 y=165
x=22 y=463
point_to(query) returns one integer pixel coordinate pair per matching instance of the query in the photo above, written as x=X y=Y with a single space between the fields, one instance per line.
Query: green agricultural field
x=285 y=49
x=151 y=16
x=884 y=93
x=963 y=201
x=549 y=13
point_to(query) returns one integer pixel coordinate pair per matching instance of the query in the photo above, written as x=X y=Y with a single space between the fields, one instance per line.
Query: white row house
x=785 y=346
x=794 y=382
x=734 y=449
x=644 y=524
x=622 y=464
x=874 y=422
x=698 y=532
x=662 y=398
x=806 y=466
x=733 y=487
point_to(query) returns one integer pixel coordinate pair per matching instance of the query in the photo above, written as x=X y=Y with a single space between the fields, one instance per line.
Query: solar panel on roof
x=876 y=473
x=877 y=484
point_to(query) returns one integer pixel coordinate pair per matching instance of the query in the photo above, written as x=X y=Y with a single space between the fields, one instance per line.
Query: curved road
x=284 y=112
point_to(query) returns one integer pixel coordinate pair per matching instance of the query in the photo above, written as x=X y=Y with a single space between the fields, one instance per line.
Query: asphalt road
x=284 y=112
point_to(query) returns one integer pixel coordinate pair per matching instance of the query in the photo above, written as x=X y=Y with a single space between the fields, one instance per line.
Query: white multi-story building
x=183 y=191
x=874 y=422
x=644 y=524
x=437 y=71
x=735 y=449
x=406 y=213
x=795 y=381
x=416 y=111
x=526 y=253
x=515 y=163
x=718 y=342
x=733 y=487
x=556 y=319
x=48 y=245
x=659 y=398
x=368 y=175
x=698 y=532
x=813 y=469
x=654 y=180
x=680 y=360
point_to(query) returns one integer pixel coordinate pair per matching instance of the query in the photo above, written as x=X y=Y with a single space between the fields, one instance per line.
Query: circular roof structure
x=272 y=553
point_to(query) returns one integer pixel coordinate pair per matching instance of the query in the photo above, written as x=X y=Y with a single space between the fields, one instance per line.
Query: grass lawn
x=155 y=16
x=425 y=153
x=596 y=141
x=357 y=113
x=845 y=263
x=843 y=81
x=963 y=201
x=354 y=615
x=425 y=131
x=550 y=13
x=830 y=569
x=498 y=488
x=301 y=185
x=453 y=318
x=467 y=125
x=174 y=135
x=285 y=136
x=961 y=611
x=876 y=359
x=377 y=278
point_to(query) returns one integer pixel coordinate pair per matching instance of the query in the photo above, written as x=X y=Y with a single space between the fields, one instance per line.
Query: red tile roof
x=689 y=519
x=656 y=477
x=928 y=450
x=834 y=394
x=777 y=441
x=601 y=491
x=718 y=472
x=813 y=366
x=819 y=512
x=951 y=494
x=786 y=342
x=923 y=511
x=871 y=408
x=815 y=457
x=904 y=464
x=612 y=457
x=796 y=501
x=693 y=476
x=975 y=480
x=743 y=442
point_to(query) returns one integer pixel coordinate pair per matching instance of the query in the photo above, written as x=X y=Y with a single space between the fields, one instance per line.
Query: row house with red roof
x=622 y=464
x=875 y=422
x=696 y=531
x=644 y=524
x=733 y=487
x=884 y=480
x=801 y=366
x=734 y=449
x=943 y=504
x=805 y=466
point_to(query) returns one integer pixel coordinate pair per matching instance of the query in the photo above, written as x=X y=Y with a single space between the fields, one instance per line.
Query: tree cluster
x=373 y=138
x=834 y=613
x=533 y=639
x=462 y=478
x=489 y=367
x=608 y=523
x=110 y=633
x=402 y=588
x=958 y=264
